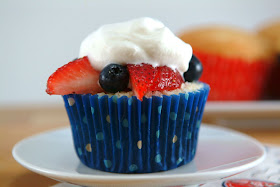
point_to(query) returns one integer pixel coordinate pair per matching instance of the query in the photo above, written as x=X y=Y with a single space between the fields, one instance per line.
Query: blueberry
x=195 y=70
x=114 y=78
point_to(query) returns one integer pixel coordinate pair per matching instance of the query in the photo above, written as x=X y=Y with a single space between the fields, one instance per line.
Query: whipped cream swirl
x=142 y=40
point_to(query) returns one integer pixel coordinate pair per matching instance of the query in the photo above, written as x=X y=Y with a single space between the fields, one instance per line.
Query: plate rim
x=58 y=175
x=242 y=106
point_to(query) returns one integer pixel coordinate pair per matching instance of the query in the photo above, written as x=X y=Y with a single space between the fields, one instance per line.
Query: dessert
x=271 y=32
x=236 y=62
x=129 y=106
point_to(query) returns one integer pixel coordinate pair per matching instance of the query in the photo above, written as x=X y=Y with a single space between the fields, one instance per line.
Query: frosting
x=136 y=41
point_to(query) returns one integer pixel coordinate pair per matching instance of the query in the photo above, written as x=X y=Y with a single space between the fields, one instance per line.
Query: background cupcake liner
x=273 y=88
x=125 y=135
x=234 y=79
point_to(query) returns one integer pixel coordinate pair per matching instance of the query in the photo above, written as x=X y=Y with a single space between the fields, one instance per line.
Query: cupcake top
x=134 y=42
x=228 y=42
x=142 y=56
x=271 y=32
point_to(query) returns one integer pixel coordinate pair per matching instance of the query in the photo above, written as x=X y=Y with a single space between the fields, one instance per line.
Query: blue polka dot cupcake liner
x=126 y=135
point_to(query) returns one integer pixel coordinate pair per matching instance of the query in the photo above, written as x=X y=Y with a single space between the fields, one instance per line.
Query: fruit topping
x=77 y=77
x=195 y=70
x=114 y=78
x=145 y=77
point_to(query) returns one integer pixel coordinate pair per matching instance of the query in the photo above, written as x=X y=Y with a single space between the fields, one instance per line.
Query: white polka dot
x=88 y=147
x=125 y=123
x=118 y=144
x=108 y=119
x=187 y=116
x=80 y=151
x=179 y=160
x=174 y=139
x=158 y=133
x=139 y=144
x=173 y=116
x=115 y=99
x=130 y=101
x=107 y=163
x=133 y=167
x=198 y=123
x=85 y=120
x=159 y=109
x=158 y=158
x=71 y=101
x=143 y=118
x=193 y=151
x=99 y=136
x=189 y=136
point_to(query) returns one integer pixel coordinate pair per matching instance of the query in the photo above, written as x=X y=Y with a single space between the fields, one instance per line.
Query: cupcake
x=236 y=62
x=271 y=32
x=130 y=107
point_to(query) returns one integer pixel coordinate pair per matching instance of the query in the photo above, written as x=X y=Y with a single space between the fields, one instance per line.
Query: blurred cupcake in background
x=271 y=32
x=236 y=62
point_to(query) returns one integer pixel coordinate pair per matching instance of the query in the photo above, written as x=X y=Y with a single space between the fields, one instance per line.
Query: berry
x=145 y=77
x=114 y=78
x=195 y=70
x=77 y=77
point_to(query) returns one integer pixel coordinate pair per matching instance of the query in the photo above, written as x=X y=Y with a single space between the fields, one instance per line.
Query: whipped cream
x=142 y=40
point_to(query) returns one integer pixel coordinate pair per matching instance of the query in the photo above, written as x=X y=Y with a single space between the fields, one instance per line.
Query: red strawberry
x=77 y=77
x=247 y=183
x=145 y=77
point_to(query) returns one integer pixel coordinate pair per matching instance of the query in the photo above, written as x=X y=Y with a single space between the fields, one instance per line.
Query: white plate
x=243 y=106
x=244 y=115
x=221 y=153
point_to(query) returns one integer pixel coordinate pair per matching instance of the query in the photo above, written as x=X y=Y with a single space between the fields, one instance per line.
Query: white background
x=38 y=36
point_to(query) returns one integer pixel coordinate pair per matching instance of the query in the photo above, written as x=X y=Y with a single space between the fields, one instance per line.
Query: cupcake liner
x=273 y=88
x=125 y=135
x=234 y=79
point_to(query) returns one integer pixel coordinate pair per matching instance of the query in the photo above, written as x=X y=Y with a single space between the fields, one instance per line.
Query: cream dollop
x=142 y=40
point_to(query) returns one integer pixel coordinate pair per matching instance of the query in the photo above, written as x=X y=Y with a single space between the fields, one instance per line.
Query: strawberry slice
x=145 y=77
x=77 y=77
